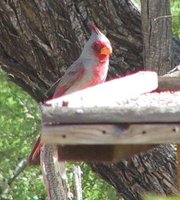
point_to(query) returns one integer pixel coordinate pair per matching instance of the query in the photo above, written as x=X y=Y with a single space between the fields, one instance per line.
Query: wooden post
x=52 y=173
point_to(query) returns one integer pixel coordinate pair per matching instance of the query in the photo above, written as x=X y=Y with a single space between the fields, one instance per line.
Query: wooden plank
x=100 y=153
x=168 y=83
x=151 y=108
x=110 y=92
x=111 y=134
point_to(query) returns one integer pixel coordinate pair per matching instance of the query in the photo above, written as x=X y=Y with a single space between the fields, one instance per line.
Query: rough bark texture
x=157 y=35
x=150 y=172
x=40 y=39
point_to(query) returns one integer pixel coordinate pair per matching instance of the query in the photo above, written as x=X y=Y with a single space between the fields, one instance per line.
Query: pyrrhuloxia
x=88 y=70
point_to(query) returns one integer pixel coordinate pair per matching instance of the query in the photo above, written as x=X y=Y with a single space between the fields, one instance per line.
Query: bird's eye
x=97 y=46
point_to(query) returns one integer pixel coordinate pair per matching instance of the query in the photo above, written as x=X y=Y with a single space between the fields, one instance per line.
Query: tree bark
x=40 y=39
x=157 y=35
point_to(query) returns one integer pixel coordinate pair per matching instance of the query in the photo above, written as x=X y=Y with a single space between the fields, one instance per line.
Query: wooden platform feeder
x=114 y=120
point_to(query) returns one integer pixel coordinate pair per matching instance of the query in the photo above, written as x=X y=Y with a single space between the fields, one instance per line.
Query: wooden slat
x=111 y=134
x=111 y=115
x=100 y=153
x=151 y=108
x=168 y=83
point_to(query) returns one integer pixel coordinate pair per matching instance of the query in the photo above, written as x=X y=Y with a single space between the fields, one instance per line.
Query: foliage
x=19 y=125
x=157 y=197
x=95 y=188
x=175 y=10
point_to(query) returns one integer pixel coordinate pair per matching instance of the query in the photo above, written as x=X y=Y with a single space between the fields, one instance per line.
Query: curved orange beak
x=106 y=51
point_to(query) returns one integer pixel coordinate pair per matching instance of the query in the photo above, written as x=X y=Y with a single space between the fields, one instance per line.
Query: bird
x=88 y=70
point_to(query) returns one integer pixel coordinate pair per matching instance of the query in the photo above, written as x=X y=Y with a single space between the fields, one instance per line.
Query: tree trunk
x=157 y=35
x=40 y=39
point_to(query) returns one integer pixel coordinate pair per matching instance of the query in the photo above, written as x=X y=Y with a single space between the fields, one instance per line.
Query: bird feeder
x=114 y=120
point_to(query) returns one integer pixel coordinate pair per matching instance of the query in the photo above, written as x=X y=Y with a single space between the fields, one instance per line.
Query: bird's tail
x=34 y=158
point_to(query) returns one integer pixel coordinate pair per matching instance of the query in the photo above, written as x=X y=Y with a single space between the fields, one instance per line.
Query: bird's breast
x=100 y=73
x=93 y=75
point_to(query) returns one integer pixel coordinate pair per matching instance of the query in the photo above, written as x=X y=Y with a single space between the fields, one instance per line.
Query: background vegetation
x=20 y=124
